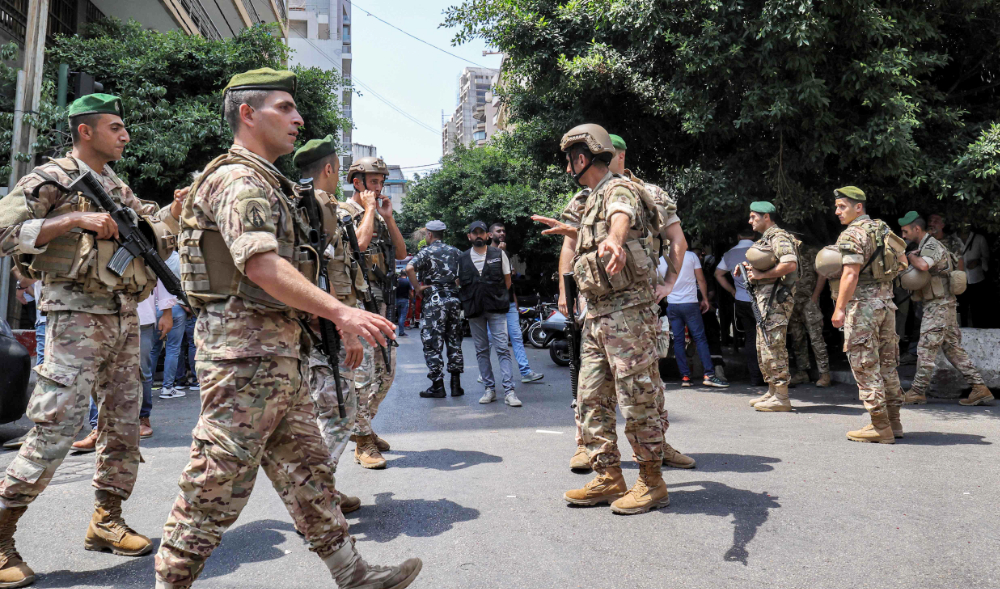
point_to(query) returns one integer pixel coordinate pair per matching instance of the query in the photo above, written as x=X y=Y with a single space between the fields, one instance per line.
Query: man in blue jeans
x=684 y=310
x=403 y=290
x=498 y=234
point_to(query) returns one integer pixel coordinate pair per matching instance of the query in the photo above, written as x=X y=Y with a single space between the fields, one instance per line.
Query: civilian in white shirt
x=973 y=304
x=171 y=320
x=744 y=314
x=684 y=310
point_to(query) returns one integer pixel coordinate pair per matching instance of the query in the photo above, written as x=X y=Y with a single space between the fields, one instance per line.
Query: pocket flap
x=57 y=373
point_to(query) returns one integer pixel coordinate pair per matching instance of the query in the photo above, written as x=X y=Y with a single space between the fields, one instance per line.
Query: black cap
x=478 y=225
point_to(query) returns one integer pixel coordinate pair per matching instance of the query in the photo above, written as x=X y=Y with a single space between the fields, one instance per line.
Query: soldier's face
x=935 y=224
x=108 y=137
x=276 y=123
x=618 y=163
x=911 y=232
x=757 y=222
x=846 y=212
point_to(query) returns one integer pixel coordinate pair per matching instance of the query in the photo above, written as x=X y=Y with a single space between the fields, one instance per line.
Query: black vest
x=486 y=293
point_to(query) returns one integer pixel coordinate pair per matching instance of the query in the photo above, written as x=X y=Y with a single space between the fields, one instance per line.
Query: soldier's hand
x=368 y=199
x=838 y=318
x=375 y=329
x=617 y=253
x=355 y=352
x=563 y=308
x=384 y=206
x=663 y=291
x=178 y=204
x=556 y=227
x=101 y=224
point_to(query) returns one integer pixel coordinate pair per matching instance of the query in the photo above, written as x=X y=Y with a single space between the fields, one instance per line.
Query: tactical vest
x=380 y=252
x=883 y=266
x=939 y=285
x=346 y=280
x=602 y=291
x=666 y=207
x=208 y=271
x=79 y=257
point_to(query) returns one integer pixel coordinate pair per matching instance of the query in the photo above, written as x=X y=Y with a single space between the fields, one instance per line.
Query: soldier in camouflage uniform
x=936 y=224
x=442 y=311
x=806 y=323
x=382 y=243
x=775 y=301
x=862 y=293
x=92 y=349
x=244 y=252
x=318 y=160
x=939 y=326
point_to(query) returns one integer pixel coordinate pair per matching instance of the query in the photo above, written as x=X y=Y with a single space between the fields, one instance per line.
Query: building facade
x=469 y=124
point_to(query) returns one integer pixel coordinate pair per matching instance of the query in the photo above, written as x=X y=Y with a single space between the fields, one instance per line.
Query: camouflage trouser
x=336 y=431
x=255 y=412
x=773 y=359
x=872 y=348
x=619 y=364
x=805 y=327
x=86 y=355
x=939 y=331
x=664 y=422
x=372 y=381
x=441 y=325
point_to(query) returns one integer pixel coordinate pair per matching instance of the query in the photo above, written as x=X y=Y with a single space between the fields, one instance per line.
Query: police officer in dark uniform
x=441 y=323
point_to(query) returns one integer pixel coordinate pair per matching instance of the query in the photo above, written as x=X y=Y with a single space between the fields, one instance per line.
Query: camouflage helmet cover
x=368 y=165
x=595 y=136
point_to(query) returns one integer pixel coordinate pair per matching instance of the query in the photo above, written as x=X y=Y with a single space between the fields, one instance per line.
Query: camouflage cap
x=851 y=192
x=762 y=207
x=435 y=225
x=92 y=104
x=262 y=79
x=313 y=151
x=908 y=218
x=618 y=143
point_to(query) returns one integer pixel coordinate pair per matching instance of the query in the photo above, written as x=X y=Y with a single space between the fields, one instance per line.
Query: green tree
x=737 y=100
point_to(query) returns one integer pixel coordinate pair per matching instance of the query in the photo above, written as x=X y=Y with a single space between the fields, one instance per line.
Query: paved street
x=777 y=500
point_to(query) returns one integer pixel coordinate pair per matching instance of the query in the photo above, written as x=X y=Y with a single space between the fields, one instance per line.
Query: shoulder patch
x=254 y=209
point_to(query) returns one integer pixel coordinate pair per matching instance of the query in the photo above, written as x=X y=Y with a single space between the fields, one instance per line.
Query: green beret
x=851 y=192
x=92 y=104
x=618 y=143
x=262 y=79
x=313 y=151
x=908 y=218
x=762 y=207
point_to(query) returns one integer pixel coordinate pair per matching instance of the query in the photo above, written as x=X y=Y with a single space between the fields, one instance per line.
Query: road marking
x=545 y=431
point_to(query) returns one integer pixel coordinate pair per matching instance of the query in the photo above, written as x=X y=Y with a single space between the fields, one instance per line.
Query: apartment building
x=469 y=124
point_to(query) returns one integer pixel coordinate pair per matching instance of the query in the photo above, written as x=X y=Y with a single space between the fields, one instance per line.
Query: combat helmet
x=367 y=165
x=829 y=262
x=598 y=142
x=761 y=258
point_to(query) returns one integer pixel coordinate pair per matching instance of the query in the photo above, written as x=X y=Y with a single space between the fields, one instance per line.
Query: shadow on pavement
x=131 y=572
x=443 y=459
x=417 y=518
x=749 y=510
x=744 y=463
x=830 y=409
x=943 y=439
x=256 y=541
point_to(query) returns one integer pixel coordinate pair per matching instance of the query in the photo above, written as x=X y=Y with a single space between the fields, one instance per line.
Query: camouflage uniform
x=437 y=268
x=806 y=316
x=870 y=339
x=953 y=243
x=618 y=353
x=571 y=216
x=256 y=405
x=373 y=378
x=773 y=359
x=939 y=326
x=92 y=348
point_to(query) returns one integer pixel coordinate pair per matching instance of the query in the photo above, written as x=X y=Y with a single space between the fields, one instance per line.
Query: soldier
x=862 y=292
x=618 y=356
x=939 y=326
x=951 y=241
x=92 y=350
x=806 y=323
x=379 y=238
x=318 y=160
x=774 y=280
x=245 y=262
x=442 y=311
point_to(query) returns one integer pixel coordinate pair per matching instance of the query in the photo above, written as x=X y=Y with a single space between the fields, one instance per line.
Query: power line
x=415 y=37
x=438 y=165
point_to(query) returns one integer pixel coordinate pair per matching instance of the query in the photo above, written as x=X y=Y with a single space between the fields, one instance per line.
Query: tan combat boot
x=913 y=397
x=13 y=570
x=894 y=423
x=764 y=397
x=109 y=532
x=580 y=462
x=675 y=459
x=825 y=380
x=604 y=488
x=88 y=444
x=778 y=403
x=348 y=504
x=381 y=444
x=878 y=431
x=800 y=377
x=349 y=570
x=649 y=492
x=980 y=395
x=367 y=455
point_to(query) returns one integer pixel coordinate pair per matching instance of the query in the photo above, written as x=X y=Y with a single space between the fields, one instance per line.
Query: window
x=479 y=135
x=298 y=29
x=324 y=31
x=347 y=34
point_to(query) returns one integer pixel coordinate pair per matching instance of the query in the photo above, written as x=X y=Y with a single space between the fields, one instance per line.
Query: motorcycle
x=556 y=338
x=531 y=324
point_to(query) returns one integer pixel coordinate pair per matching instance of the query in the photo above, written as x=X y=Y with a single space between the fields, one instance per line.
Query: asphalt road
x=777 y=500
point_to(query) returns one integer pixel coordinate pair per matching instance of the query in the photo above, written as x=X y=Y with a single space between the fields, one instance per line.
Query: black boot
x=435 y=391
x=456 y=384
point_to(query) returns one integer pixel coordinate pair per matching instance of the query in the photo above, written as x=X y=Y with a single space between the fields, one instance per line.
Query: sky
x=418 y=79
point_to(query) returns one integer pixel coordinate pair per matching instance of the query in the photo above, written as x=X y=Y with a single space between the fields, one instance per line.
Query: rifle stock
x=574 y=334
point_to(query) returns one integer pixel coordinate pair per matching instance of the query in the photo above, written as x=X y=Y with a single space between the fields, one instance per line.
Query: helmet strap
x=578 y=175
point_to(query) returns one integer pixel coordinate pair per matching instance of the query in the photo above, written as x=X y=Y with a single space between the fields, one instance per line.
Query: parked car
x=15 y=371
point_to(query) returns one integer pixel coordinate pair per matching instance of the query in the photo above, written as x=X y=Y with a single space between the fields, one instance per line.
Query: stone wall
x=983 y=346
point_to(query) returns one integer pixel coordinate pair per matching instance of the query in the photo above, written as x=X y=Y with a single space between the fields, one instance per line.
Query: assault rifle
x=133 y=241
x=574 y=333
x=329 y=338
x=359 y=258
x=758 y=316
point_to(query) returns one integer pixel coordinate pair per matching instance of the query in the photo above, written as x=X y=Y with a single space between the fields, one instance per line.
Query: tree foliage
x=170 y=85
x=737 y=100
